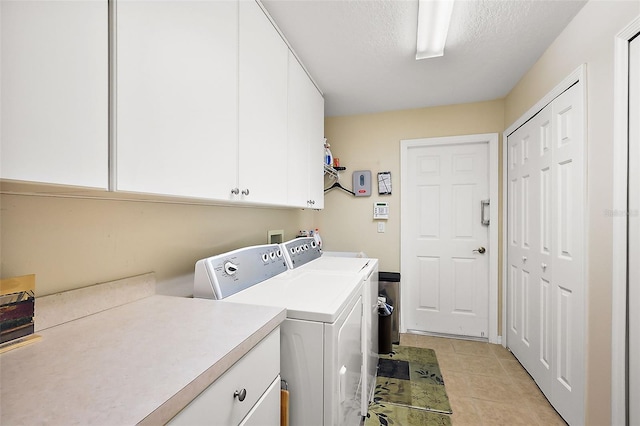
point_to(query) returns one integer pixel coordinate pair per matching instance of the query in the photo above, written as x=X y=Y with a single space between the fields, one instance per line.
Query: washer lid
x=307 y=295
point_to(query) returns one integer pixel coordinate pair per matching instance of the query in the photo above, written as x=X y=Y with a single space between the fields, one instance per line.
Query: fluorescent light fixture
x=434 y=17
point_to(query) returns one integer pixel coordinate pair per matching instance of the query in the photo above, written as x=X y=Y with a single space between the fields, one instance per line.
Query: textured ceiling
x=362 y=52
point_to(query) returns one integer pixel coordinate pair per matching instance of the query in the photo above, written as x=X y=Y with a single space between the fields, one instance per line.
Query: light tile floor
x=486 y=385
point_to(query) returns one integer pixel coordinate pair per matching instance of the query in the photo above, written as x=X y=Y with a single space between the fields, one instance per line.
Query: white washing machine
x=321 y=339
x=308 y=259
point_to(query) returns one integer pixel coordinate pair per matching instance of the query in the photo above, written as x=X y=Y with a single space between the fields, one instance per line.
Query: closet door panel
x=568 y=217
x=546 y=284
x=634 y=232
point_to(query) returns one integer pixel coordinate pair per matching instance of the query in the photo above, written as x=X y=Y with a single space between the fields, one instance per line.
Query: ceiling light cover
x=434 y=17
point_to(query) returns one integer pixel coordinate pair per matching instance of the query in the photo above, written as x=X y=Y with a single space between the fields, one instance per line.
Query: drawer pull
x=241 y=394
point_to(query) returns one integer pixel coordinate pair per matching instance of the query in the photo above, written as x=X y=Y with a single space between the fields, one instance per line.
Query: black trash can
x=384 y=330
x=389 y=287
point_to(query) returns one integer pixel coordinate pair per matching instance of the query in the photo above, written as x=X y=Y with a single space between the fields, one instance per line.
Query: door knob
x=480 y=250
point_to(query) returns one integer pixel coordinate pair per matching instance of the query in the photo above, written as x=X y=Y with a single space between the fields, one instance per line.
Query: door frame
x=578 y=76
x=619 y=219
x=492 y=140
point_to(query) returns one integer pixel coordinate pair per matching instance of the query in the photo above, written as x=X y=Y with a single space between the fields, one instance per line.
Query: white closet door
x=545 y=283
x=529 y=314
x=568 y=283
x=634 y=233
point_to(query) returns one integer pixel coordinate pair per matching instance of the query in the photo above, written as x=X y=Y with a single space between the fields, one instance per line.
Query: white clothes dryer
x=321 y=339
x=300 y=254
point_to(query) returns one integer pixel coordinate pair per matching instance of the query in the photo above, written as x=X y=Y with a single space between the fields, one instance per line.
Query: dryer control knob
x=230 y=268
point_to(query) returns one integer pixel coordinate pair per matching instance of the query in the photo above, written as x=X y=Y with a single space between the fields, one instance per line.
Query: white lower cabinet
x=246 y=394
x=267 y=409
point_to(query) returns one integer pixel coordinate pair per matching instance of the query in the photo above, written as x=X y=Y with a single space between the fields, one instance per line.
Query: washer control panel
x=301 y=250
x=225 y=274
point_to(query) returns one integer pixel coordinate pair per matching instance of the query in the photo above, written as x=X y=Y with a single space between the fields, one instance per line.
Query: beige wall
x=71 y=243
x=589 y=39
x=372 y=142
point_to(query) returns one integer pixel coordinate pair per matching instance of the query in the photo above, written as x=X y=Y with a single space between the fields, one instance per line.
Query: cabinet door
x=54 y=102
x=267 y=409
x=298 y=136
x=305 y=140
x=263 y=108
x=253 y=377
x=316 y=150
x=177 y=98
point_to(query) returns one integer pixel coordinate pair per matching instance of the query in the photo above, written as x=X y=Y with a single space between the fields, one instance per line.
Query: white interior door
x=634 y=233
x=445 y=258
x=529 y=245
x=545 y=251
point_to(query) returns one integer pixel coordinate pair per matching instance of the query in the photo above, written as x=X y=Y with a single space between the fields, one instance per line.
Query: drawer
x=267 y=409
x=254 y=372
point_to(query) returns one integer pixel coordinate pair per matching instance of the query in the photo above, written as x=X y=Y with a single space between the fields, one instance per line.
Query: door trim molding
x=579 y=75
x=492 y=140
x=620 y=203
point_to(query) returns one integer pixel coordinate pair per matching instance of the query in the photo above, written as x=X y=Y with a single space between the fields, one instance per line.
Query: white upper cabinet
x=207 y=101
x=177 y=100
x=305 y=140
x=316 y=151
x=263 y=108
x=54 y=92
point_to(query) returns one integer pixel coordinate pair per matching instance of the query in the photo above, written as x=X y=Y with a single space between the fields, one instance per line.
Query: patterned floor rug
x=409 y=389
x=383 y=414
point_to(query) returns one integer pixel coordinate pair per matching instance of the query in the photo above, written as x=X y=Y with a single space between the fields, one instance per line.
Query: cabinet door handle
x=235 y=191
x=544 y=266
x=241 y=394
x=245 y=192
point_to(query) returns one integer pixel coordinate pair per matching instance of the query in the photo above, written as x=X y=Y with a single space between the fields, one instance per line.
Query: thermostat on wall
x=362 y=183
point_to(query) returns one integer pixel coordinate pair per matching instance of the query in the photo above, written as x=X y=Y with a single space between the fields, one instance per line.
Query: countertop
x=141 y=362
